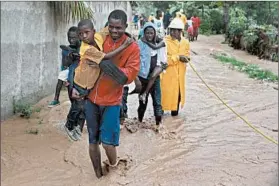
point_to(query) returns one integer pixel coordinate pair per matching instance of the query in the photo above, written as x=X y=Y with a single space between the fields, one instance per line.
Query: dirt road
x=206 y=145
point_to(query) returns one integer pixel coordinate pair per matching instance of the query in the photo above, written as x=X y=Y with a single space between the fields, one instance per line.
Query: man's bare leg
x=95 y=156
x=111 y=153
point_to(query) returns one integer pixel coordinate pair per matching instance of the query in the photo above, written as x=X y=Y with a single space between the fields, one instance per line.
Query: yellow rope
x=249 y=124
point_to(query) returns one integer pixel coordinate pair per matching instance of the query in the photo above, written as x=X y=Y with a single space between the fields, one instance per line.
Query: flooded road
x=206 y=145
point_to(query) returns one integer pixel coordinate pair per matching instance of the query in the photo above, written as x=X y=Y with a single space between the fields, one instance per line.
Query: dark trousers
x=76 y=115
x=155 y=92
x=124 y=108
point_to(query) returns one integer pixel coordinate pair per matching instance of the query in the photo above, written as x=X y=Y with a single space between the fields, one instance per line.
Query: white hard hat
x=177 y=24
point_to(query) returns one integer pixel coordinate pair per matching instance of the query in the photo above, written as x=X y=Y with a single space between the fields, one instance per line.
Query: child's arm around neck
x=124 y=45
x=154 y=46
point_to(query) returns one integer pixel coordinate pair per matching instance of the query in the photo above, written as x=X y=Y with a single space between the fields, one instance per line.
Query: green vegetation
x=24 y=109
x=77 y=10
x=252 y=70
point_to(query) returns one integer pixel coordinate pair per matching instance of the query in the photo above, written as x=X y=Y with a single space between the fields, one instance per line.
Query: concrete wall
x=30 y=54
x=102 y=9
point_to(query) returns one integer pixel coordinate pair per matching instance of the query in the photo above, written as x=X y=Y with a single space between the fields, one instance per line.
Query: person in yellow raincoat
x=173 y=80
x=183 y=17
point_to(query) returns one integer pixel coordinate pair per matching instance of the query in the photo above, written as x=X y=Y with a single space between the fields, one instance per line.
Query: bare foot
x=122 y=164
x=105 y=170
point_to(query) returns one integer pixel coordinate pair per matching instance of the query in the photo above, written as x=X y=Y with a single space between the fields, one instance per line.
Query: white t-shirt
x=159 y=26
x=161 y=55
x=190 y=23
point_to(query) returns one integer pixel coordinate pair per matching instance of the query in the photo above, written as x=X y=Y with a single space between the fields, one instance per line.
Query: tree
x=163 y=5
x=226 y=19
x=76 y=10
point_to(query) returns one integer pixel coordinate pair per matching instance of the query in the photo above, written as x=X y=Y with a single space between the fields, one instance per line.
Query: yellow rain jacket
x=173 y=80
x=184 y=18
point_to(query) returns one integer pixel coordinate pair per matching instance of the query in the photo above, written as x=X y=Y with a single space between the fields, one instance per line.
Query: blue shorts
x=103 y=123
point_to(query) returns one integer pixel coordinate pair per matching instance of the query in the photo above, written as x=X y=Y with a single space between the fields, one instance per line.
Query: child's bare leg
x=157 y=71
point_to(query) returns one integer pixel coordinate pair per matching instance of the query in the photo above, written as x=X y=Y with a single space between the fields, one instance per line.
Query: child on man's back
x=88 y=71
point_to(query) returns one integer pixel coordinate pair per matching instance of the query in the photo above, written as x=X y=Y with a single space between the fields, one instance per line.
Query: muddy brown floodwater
x=206 y=145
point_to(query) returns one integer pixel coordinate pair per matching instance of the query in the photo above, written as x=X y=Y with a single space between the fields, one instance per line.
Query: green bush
x=212 y=21
x=216 y=19
x=24 y=109
x=205 y=27
x=238 y=22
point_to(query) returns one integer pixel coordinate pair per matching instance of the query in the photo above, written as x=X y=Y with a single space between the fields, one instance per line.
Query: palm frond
x=76 y=10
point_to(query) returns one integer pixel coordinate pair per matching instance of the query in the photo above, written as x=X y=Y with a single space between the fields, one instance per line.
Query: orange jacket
x=108 y=92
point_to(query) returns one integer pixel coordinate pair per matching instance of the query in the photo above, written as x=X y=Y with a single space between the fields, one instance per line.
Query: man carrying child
x=102 y=102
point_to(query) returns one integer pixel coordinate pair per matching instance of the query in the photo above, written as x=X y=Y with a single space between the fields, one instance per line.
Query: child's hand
x=143 y=97
x=128 y=41
x=75 y=94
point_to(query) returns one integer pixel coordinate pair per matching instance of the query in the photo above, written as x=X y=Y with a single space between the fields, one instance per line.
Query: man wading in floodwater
x=102 y=108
